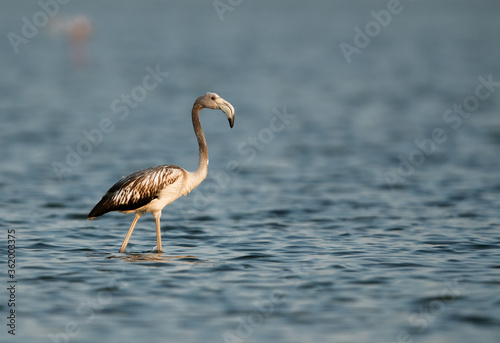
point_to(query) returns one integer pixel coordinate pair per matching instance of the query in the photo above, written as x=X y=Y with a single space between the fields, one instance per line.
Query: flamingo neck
x=201 y=173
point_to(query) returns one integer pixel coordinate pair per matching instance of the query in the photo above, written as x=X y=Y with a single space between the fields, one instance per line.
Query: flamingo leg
x=125 y=242
x=158 y=231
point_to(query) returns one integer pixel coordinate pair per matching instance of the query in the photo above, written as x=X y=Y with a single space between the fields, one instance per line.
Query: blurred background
x=355 y=200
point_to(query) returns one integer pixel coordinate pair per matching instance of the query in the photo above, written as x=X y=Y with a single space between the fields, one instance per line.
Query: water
x=305 y=229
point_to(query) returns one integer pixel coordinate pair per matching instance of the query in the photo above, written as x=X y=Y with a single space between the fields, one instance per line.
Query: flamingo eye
x=213 y=97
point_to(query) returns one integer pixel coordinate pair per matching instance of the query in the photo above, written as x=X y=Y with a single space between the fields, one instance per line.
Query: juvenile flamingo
x=151 y=189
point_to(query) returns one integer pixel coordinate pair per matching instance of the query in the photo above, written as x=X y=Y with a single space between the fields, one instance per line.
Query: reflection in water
x=158 y=257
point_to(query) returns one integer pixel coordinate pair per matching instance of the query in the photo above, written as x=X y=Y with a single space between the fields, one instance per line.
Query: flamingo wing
x=136 y=190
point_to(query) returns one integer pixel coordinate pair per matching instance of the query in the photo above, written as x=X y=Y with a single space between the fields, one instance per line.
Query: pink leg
x=125 y=242
x=157 y=216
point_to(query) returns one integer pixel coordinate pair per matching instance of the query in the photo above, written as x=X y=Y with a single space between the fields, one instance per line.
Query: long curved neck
x=201 y=172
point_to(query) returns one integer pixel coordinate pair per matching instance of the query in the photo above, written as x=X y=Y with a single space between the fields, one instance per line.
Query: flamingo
x=151 y=189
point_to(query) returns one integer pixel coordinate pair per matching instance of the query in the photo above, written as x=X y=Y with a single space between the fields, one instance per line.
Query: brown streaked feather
x=136 y=190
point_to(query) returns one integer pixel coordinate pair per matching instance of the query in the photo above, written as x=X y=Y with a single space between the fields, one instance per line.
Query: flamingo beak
x=228 y=109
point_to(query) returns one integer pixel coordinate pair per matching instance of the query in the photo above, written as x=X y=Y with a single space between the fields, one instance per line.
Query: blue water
x=351 y=202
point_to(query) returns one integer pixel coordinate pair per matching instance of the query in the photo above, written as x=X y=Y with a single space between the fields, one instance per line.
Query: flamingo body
x=147 y=190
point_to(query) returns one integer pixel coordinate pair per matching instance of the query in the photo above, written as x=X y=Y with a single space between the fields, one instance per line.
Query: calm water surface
x=329 y=214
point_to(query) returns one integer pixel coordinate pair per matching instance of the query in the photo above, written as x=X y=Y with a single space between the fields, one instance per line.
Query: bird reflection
x=158 y=257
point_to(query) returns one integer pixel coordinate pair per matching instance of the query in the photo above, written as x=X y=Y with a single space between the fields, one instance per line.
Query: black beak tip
x=231 y=123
